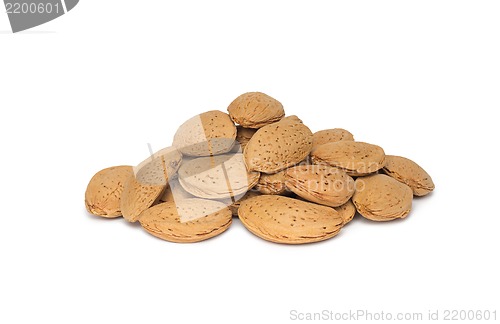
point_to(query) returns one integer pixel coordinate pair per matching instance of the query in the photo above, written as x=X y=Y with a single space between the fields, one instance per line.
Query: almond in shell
x=331 y=135
x=272 y=184
x=255 y=110
x=286 y=220
x=137 y=197
x=381 y=198
x=149 y=181
x=356 y=158
x=347 y=211
x=159 y=168
x=278 y=146
x=217 y=177
x=321 y=184
x=209 y=133
x=186 y=221
x=103 y=194
x=175 y=192
x=243 y=135
x=236 y=205
x=410 y=173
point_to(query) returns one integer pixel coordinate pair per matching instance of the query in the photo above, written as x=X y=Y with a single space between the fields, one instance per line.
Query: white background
x=92 y=88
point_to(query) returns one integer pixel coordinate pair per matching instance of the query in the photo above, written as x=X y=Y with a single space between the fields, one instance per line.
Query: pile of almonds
x=284 y=183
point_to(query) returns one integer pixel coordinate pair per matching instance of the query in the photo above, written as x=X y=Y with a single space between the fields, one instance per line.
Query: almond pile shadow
x=285 y=183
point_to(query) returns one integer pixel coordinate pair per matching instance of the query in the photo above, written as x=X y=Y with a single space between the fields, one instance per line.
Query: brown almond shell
x=321 y=184
x=255 y=110
x=331 y=135
x=410 y=173
x=186 y=221
x=278 y=146
x=356 y=158
x=291 y=221
x=104 y=191
x=381 y=198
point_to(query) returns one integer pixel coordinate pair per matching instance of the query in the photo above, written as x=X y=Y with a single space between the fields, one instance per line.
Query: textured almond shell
x=286 y=220
x=217 y=177
x=175 y=192
x=321 y=184
x=103 y=194
x=159 y=168
x=243 y=135
x=138 y=197
x=272 y=184
x=410 y=173
x=356 y=158
x=347 y=211
x=209 y=133
x=186 y=221
x=331 y=135
x=277 y=146
x=255 y=110
x=236 y=205
x=381 y=198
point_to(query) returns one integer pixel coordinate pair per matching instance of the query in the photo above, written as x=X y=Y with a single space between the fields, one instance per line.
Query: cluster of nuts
x=284 y=183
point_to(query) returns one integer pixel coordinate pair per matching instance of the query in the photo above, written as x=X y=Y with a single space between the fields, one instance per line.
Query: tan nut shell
x=272 y=184
x=217 y=177
x=286 y=220
x=277 y=146
x=382 y=198
x=209 y=133
x=186 y=221
x=137 y=197
x=347 y=211
x=103 y=194
x=321 y=184
x=243 y=135
x=150 y=179
x=159 y=168
x=175 y=192
x=410 y=173
x=331 y=135
x=255 y=110
x=236 y=205
x=356 y=158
